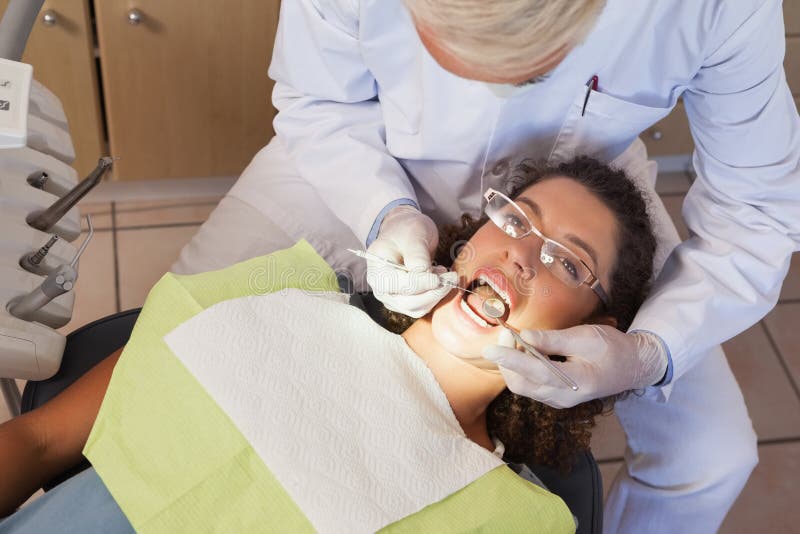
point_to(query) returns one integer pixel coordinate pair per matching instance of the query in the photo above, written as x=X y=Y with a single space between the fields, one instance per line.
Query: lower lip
x=466 y=319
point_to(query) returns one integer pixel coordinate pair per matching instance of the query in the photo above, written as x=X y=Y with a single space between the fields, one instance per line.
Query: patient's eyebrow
x=584 y=245
x=532 y=205
x=537 y=211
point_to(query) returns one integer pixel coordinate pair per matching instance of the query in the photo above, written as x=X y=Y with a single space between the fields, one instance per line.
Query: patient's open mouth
x=487 y=284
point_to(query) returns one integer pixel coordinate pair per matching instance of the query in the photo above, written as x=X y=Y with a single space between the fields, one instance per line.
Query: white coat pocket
x=604 y=129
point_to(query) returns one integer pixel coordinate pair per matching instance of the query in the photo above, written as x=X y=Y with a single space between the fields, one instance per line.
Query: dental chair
x=581 y=489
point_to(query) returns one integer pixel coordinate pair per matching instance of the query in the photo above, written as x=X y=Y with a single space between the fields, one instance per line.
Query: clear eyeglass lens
x=563 y=264
x=508 y=217
x=560 y=261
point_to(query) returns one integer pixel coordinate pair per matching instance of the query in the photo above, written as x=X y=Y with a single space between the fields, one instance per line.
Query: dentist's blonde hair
x=506 y=37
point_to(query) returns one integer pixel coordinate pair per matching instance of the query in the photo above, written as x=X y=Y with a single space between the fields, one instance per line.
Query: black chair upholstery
x=85 y=348
x=574 y=488
x=581 y=489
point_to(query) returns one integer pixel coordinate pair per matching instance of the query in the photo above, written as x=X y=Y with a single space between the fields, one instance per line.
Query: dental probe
x=496 y=309
x=369 y=256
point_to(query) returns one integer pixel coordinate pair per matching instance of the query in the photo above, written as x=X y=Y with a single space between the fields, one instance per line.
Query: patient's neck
x=469 y=389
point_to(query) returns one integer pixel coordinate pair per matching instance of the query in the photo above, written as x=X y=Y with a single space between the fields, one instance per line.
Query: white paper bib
x=349 y=420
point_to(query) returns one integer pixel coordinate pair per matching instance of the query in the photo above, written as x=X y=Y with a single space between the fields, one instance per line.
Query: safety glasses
x=558 y=259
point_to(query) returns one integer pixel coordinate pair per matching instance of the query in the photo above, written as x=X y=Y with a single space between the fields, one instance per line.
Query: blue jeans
x=81 y=505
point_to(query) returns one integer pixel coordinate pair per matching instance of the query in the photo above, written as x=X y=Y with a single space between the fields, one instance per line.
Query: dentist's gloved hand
x=602 y=360
x=408 y=237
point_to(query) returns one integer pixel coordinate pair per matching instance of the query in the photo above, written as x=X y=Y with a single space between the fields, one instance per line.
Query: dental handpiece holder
x=38 y=190
x=59 y=281
x=47 y=219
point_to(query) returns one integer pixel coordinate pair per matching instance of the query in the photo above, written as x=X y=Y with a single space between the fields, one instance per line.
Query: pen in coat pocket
x=590 y=86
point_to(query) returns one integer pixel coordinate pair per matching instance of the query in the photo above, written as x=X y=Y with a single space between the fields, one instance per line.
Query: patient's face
x=568 y=213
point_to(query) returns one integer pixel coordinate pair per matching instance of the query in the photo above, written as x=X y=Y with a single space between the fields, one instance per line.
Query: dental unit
x=55 y=284
x=32 y=262
x=39 y=191
x=46 y=219
x=38 y=179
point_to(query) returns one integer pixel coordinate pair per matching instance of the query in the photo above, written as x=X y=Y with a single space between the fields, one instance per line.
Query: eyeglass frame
x=591 y=279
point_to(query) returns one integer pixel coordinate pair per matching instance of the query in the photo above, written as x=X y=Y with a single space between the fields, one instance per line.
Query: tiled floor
x=135 y=243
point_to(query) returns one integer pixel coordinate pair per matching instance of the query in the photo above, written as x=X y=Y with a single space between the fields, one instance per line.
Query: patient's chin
x=481 y=363
x=450 y=333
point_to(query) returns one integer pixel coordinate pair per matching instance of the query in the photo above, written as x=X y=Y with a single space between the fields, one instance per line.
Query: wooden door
x=62 y=55
x=187 y=92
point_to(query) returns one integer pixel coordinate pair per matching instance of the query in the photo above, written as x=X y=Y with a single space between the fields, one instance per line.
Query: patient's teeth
x=472 y=315
x=502 y=294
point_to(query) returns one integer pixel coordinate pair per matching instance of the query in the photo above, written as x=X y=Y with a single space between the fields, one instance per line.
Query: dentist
x=395 y=116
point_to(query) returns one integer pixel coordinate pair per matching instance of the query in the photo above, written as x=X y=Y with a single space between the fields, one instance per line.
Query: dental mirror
x=496 y=309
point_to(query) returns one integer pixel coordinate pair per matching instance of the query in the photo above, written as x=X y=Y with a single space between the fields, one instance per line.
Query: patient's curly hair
x=532 y=432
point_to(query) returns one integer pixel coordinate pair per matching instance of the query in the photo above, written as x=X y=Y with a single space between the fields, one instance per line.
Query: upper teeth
x=502 y=294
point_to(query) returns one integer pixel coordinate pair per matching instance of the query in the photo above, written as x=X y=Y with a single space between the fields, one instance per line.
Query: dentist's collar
x=502 y=90
x=508 y=90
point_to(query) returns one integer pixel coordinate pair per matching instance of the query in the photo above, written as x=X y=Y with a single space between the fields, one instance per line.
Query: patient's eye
x=513 y=225
x=569 y=267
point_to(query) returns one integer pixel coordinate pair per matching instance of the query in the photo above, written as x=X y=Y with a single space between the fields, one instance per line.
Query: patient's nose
x=523 y=259
x=524 y=255
x=527 y=273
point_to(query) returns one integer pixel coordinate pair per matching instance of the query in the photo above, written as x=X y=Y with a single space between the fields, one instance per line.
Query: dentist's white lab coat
x=369 y=117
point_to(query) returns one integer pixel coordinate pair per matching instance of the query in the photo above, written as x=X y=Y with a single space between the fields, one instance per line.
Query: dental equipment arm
x=16 y=25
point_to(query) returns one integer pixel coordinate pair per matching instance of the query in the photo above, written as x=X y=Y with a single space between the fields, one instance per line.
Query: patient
x=594 y=212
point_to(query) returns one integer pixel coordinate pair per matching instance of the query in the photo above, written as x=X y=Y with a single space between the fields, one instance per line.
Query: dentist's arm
x=743 y=215
x=743 y=211
x=331 y=121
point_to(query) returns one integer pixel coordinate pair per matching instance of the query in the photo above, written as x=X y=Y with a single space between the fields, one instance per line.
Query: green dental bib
x=175 y=462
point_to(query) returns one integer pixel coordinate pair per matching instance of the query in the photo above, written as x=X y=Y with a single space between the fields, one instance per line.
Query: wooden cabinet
x=791 y=16
x=186 y=86
x=185 y=91
x=62 y=54
x=791 y=63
